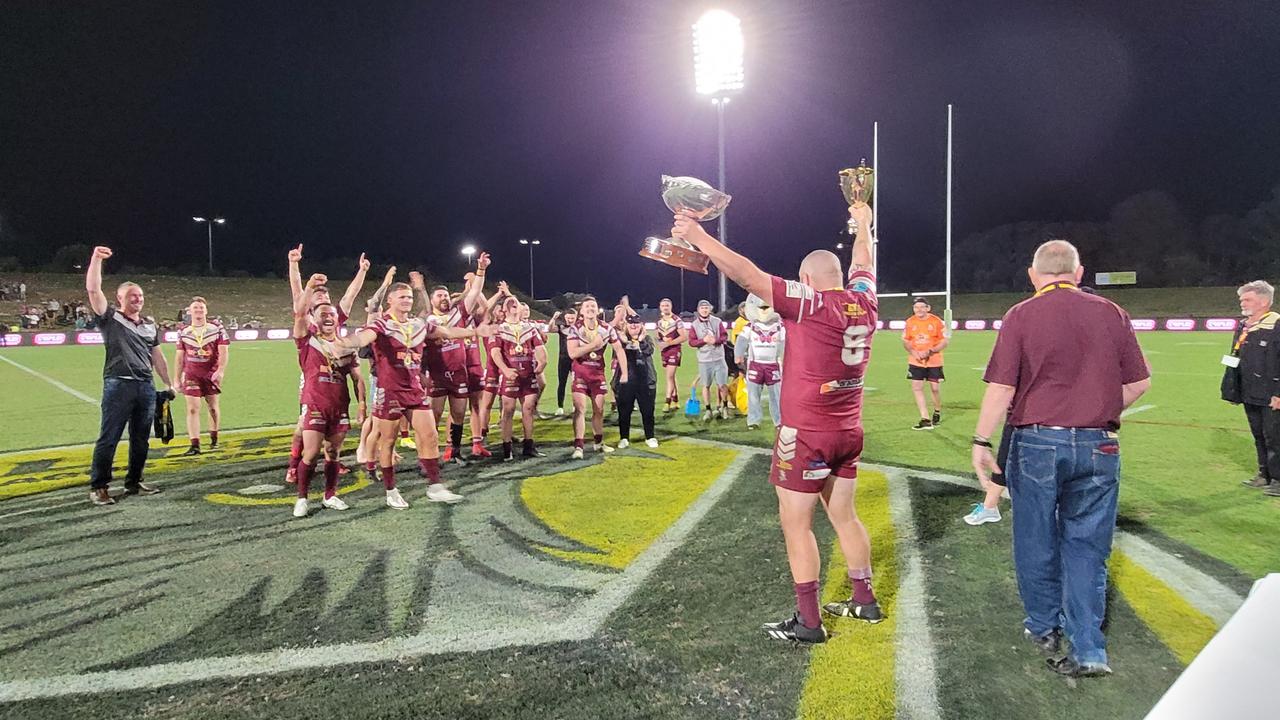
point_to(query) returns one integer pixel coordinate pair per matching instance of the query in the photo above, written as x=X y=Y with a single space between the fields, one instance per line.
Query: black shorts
x=933 y=374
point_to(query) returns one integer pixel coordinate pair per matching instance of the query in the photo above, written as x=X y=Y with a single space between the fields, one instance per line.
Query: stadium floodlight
x=530 y=243
x=717 y=54
x=469 y=251
x=718 y=50
x=197 y=219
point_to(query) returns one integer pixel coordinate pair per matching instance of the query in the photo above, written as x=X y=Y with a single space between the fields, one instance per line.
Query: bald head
x=820 y=270
x=1056 y=257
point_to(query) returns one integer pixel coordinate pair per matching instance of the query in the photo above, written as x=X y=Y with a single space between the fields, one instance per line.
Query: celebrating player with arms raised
x=829 y=326
x=446 y=358
x=518 y=356
x=397 y=339
x=671 y=339
x=198 y=371
x=326 y=365
x=587 y=341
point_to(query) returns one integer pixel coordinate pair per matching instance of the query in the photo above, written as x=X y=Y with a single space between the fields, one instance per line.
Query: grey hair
x=1056 y=257
x=1261 y=288
x=124 y=286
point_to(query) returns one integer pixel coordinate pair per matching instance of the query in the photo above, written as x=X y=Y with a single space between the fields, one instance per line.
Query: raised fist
x=483 y=261
x=101 y=252
x=363 y=263
x=415 y=280
x=317 y=280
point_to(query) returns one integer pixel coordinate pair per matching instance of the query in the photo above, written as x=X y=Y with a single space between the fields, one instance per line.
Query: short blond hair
x=123 y=287
x=1056 y=257
x=197 y=299
x=1261 y=288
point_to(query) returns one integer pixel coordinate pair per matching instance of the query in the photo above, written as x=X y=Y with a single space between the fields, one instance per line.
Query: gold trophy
x=689 y=195
x=857 y=185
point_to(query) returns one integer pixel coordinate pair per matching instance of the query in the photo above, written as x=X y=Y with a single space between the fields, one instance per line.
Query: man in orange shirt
x=924 y=337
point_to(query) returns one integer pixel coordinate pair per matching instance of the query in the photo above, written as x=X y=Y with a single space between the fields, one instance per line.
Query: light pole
x=469 y=251
x=530 y=243
x=717 y=72
x=210 y=224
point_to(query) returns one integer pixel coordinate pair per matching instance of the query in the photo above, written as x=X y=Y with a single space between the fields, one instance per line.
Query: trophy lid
x=690 y=193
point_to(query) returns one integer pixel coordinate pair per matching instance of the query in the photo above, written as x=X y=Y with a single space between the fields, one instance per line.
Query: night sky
x=405 y=129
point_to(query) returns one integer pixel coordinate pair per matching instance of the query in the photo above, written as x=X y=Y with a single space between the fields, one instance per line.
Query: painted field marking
x=1136 y=410
x=64 y=388
x=582 y=625
x=41 y=509
x=265 y=429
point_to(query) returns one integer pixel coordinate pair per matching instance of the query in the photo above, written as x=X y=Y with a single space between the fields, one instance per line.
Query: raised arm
x=93 y=280
x=357 y=284
x=301 y=298
x=295 y=274
x=735 y=267
x=473 y=296
x=862 y=240
x=420 y=298
x=375 y=302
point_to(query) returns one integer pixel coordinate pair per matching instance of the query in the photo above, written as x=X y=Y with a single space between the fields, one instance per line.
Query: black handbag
x=164 y=418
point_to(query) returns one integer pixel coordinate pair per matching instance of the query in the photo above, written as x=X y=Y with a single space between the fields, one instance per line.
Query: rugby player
x=445 y=359
x=397 y=339
x=317 y=295
x=478 y=312
x=924 y=336
x=201 y=362
x=587 y=341
x=829 y=325
x=671 y=339
x=519 y=356
x=489 y=381
x=366 y=450
x=326 y=365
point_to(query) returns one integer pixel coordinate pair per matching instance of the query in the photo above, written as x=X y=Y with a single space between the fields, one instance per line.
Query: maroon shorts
x=764 y=373
x=450 y=383
x=475 y=379
x=199 y=386
x=394 y=407
x=803 y=460
x=595 y=387
x=520 y=387
x=671 y=356
x=327 y=422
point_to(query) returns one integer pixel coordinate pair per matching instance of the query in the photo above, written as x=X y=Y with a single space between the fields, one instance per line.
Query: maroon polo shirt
x=1068 y=353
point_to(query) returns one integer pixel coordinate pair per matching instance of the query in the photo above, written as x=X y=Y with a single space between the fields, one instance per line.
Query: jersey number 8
x=855 y=344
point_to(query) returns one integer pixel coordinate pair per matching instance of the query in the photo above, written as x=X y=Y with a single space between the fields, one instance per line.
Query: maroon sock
x=404 y=433
x=213 y=437
x=807 y=603
x=389 y=477
x=304 y=478
x=371 y=466
x=431 y=468
x=330 y=480
x=577 y=443
x=598 y=438
x=195 y=443
x=860 y=580
x=295 y=452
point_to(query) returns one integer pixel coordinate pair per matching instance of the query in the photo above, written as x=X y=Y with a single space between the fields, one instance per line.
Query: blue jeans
x=1064 y=485
x=131 y=402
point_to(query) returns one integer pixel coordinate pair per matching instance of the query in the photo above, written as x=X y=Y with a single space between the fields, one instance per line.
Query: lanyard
x=1245 y=333
x=1056 y=286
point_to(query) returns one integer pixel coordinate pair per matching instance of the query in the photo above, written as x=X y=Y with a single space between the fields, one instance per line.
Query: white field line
x=41 y=509
x=87 y=446
x=1204 y=592
x=915 y=673
x=585 y=622
x=1135 y=410
x=64 y=388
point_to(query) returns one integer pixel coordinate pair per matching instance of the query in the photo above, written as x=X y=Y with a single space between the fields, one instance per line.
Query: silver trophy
x=685 y=194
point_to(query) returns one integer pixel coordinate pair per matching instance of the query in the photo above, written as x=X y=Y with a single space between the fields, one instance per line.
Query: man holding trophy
x=829 y=323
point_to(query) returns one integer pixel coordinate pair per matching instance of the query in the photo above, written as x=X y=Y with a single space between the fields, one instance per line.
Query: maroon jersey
x=516 y=344
x=828 y=344
x=397 y=355
x=325 y=367
x=201 y=346
x=591 y=367
x=446 y=354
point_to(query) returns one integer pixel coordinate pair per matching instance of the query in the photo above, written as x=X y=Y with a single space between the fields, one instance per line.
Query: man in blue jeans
x=132 y=344
x=1064 y=366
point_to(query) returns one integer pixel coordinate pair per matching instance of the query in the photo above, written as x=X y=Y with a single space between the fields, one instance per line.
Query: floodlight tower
x=469 y=251
x=717 y=72
x=210 y=223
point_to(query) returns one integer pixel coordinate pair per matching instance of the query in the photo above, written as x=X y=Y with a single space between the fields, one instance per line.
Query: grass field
x=627 y=587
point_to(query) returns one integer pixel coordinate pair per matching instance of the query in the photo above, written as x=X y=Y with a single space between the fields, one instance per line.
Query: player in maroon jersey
x=445 y=360
x=326 y=365
x=397 y=339
x=318 y=294
x=478 y=312
x=587 y=342
x=201 y=363
x=829 y=324
x=671 y=339
x=518 y=354
x=492 y=312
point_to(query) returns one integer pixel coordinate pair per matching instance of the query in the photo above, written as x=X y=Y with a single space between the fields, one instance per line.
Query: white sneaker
x=601 y=447
x=437 y=492
x=980 y=515
x=334 y=503
x=300 y=508
x=706 y=416
x=624 y=444
x=395 y=502
x=724 y=413
x=577 y=453
x=559 y=412
x=651 y=442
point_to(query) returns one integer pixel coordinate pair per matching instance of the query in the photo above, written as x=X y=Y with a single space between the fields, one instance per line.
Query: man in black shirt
x=128 y=395
x=565 y=364
x=1253 y=372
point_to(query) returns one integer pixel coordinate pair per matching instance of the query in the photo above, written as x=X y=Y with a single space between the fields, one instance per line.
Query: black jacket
x=1257 y=379
x=641 y=374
